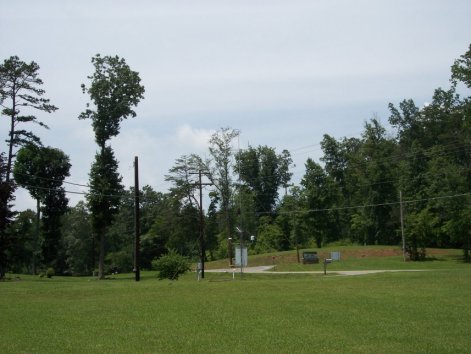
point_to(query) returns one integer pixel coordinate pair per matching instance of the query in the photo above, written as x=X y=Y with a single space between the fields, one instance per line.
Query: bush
x=120 y=261
x=50 y=272
x=171 y=265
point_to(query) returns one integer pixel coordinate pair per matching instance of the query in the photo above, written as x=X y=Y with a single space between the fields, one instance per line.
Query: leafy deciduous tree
x=114 y=90
x=21 y=251
x=42 y=170
x=77 y=240
x=264 y=172
x=220 y=172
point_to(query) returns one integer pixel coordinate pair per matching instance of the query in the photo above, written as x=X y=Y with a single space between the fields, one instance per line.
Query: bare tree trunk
x=10 y=145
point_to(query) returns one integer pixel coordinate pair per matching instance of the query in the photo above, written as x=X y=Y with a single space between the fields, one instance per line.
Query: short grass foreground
x=408 y=312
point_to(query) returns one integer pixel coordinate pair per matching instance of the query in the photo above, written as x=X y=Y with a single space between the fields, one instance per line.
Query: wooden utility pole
x=402 y=228
x=201 y=228
x=202 y=246
x=137 y=229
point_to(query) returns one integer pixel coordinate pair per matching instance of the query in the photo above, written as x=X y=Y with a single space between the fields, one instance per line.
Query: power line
x=452 y=148
x=265 y=177
x=53 y=180
x=455 y=147
x=74 y=192
x=348 y=136
x=360 y=206
x=373 y=205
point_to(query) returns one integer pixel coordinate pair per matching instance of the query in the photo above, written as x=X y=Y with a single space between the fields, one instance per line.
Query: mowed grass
x=420 y=312
x=356 y=258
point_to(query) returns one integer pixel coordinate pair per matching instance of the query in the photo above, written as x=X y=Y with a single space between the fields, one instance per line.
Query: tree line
x=410 y=184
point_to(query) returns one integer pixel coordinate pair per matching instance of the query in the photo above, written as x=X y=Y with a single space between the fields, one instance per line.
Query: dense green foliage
x=42 y=170
x=220 y=171
x=78 y=243
x=25 y=244
x=20 y=96
x=7 y=189
x=104 y=197
x=417 y=166
x=114 y=90
x=171 y=265
x=263 y=172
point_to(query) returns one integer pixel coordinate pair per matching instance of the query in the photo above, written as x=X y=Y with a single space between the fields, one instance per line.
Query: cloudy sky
x=282 y=72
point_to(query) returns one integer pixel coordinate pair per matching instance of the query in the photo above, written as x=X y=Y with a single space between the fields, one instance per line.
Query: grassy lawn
x=356 y=258
x=423 y=312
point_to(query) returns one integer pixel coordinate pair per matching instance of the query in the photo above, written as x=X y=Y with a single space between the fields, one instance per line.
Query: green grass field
x=356 y=258
x=410 y=312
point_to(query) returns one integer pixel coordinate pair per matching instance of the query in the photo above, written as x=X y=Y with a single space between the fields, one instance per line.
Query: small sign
x=238 y=260
x=335 y=256
x=310 y=257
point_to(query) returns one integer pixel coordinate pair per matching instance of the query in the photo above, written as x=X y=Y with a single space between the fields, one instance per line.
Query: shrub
x=50 y=272
x=171 y=265
x=120 y=261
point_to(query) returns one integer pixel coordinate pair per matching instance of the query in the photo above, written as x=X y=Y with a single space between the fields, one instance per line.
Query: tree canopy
x=114 y=90
x=20 y=89
x=412 y=174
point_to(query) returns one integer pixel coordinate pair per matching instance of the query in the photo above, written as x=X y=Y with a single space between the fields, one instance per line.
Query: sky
x=284 y=73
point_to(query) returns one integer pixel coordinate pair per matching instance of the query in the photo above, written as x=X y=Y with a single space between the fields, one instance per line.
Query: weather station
x=241 y=251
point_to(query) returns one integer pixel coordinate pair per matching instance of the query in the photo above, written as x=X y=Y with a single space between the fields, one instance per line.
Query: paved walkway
x=268 y=270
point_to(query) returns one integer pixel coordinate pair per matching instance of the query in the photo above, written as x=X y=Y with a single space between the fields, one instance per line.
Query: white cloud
x=283 y=72
x=156 y=152
x=193 y=138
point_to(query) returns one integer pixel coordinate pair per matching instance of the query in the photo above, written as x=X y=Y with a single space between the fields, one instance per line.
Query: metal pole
x=229 y=233
x=229 y=250
x=36 y=235
x=402 y=228
x=137 y=230
x=241 y=254
x=240 y=221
